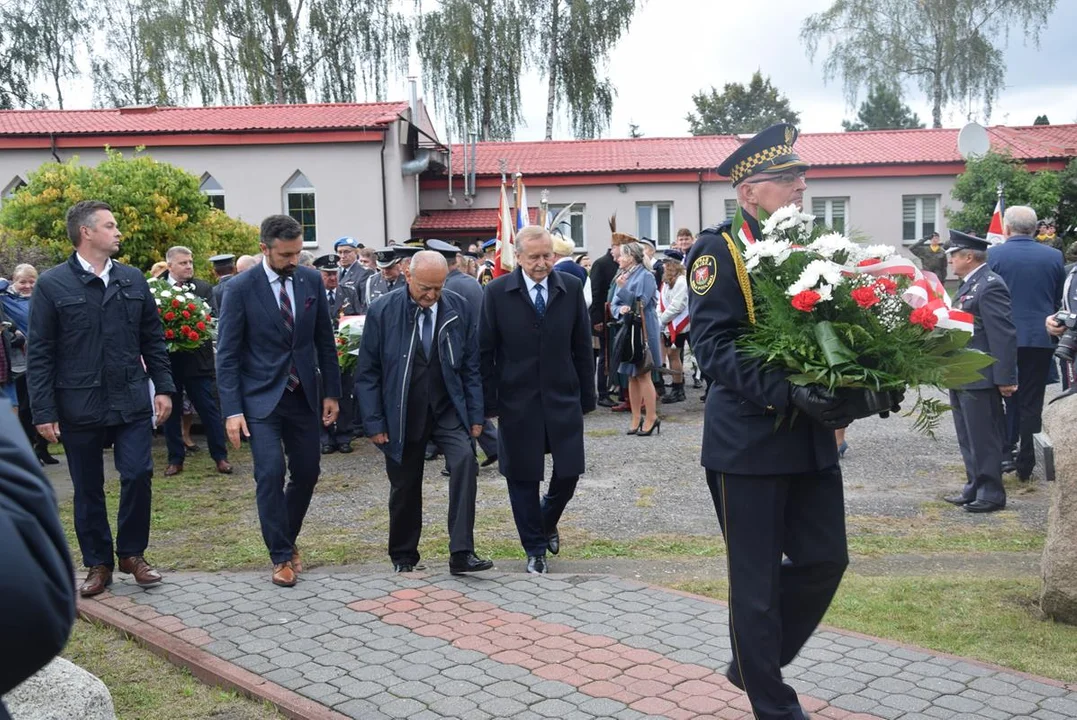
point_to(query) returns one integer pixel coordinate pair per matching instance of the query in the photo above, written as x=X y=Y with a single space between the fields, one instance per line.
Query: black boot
x=676 y=394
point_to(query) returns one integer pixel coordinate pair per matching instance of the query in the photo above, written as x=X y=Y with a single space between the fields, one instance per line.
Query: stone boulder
x=1059 y=565
x=60 y=691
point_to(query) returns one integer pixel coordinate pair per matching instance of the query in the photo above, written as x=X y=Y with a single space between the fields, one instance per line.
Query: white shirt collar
x=969 y=277
x=89 y=268
x=531 y=283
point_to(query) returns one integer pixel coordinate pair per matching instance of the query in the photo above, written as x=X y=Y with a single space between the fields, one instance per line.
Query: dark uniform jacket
x=1034 y=273
x=377 y=286
x=538 y=375
x=345 y=302
x=603 y=270
x=463 y=284
x=218 y=290
x=355 y=277
x=88 y=344
x=195 y=363
x=387 y=358
x=749 y=427
x=931 y=260
x=985 y=295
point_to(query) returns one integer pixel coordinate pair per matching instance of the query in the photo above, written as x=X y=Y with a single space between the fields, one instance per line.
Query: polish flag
x=994 y=232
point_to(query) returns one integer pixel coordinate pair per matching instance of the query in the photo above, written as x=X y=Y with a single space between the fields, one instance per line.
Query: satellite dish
x=972 y=141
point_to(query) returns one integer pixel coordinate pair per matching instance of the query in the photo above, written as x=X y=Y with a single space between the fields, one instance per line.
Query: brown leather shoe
x=99 y=578
x=144 y=574
x=284 y=574
x=173 y=469
x=224 y=467
x=297 y=562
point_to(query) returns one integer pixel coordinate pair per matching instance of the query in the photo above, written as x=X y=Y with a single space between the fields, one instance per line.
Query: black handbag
x=629 y=343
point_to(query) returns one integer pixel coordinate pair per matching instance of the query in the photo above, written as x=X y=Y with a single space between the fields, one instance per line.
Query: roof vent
x=138 y=109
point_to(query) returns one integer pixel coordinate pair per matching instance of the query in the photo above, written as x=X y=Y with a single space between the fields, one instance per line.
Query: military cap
x=330 y=262
x=475 y=256
x=674 y=254
x=965 y=241
x=489 y=244
x=407 y=251
x=415 y=242
x=770 y=151
x=386 y=257
x=648 y=241
x=447 y=249
x=223 y=261
x=349 y=241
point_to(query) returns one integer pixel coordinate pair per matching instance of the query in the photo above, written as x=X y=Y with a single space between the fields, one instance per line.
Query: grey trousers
x=979 y=421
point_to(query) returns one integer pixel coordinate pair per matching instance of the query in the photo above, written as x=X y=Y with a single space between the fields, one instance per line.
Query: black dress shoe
x=431 y=455
x=192 y=448
x=445 y=472
x=47 y=459
x=490 y=460
x=345 y=447
x=957 y=500
x=536 y=564
x=980 y=506
x=403 y=567
x=467 y=562
x=1008 y=466
x=553 y=541
x=605 y=401
x=328 y=449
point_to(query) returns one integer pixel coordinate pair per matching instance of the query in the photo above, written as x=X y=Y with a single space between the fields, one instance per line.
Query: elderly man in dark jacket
x=537 y=370
x=418 y=380
x=95 y=343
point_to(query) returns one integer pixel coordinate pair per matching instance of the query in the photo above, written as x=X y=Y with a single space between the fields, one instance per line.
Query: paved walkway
x=501 y=645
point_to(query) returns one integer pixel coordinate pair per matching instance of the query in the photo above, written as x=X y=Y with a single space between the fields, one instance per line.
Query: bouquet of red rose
x=858 y=319
x=349 y=335
x=186 y=317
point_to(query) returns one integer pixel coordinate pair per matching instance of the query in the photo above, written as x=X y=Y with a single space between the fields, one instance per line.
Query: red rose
x=170 y=316
x=805 y=300
x=192 y=306
x=175 y=303
x=201 y=326
x=865 y=297
x=186 y=314
x=169 y=334
x=887 y=285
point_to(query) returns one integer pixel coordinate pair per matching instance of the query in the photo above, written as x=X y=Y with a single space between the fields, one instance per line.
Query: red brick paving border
x=167 y=637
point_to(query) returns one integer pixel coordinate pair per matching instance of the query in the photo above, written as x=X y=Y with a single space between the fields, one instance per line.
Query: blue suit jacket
x=1034 y=273
x=255 y=350
x=986 y=296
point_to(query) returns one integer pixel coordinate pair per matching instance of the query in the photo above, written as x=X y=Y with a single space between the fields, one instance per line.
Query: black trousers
x=786 y=550
x=979 y=424
x=602 y=372
x=342 y=431
x=202 y=392
x=1024 y=409
x=131 y=450
x=22 y=393
x=536 y=517
x=406 y=490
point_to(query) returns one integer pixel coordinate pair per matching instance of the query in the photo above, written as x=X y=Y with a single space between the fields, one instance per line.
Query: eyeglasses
x=784 y=178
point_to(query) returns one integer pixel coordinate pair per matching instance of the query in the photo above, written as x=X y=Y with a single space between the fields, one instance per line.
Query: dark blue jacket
x=87 y=347
x=255 y=351
x=1034 y=273
x=463 y=284
x=383 y=370
x=570 y=267
x=986 y=296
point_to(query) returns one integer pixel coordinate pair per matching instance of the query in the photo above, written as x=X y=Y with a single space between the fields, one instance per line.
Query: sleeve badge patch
x=704 y=273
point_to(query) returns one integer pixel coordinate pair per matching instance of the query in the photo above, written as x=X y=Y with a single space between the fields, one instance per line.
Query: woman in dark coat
x=636 y=287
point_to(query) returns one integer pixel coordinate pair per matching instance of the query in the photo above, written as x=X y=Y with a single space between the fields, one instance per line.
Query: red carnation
x=208 y=317
x=192 y=306
x=805 y=300
x=158 y=311
x=170 y=316
x=924 y=318
x=175 y=303
x=169 y=334
x=887 y=285
x=865 y=297
x=201 y=326
x=186 y=314
x=185 y=329
x=193 y=336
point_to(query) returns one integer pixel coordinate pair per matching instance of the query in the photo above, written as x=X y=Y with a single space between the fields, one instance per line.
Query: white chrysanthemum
x=778 y=250
x=157 y=300
x=831 y=244
x=815 y=272
x=166 y=294
x=879 y=252
x=787 y=218
x=826 y=292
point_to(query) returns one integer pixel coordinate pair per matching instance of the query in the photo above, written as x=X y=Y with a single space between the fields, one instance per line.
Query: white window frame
x=652 y=232
x=298 y=184
x=827 y=219
x=920 y=219
x=726 y=208
x=579 y=210
x=211 y=188
x=11 y=188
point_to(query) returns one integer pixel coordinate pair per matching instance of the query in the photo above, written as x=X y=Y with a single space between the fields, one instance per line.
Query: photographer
x=1058 y=327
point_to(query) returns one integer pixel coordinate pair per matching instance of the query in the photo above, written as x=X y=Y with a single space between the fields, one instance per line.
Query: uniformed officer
x=768 y=446
x=224 y=267
x=486 y=271
x=977 y=407
x=352 y=273
x=389 y=276
x=343 y=300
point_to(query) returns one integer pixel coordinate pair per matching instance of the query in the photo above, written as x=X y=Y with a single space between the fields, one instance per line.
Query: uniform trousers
x=131 y=450
x=1024 y=409
x=536 y=517
x=291 y=431
x=979 y=423
x=786 y=551
x=406 y=489
x=341 y=431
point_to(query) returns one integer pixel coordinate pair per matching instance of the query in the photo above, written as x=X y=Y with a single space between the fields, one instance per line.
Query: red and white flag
x=994 y=232
x=504 y=254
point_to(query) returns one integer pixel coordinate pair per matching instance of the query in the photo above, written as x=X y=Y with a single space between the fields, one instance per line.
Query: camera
x=1067 y=344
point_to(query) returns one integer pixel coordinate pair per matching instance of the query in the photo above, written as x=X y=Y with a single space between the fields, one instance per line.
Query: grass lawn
x=988 y=619
x=145 y=687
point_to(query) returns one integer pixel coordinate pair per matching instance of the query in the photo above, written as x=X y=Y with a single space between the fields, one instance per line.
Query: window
x=572 y=224
x=830 y=213
x=730 y=208
x=655 y=220
x=299 y=203
x=213 y=191
x=11 y=188
x=919 y=216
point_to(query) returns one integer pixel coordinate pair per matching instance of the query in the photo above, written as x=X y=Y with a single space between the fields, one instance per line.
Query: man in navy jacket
x=1034 y=273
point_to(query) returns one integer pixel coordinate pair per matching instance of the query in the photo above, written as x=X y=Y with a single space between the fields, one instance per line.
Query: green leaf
x=834 y=350
x=963 y=368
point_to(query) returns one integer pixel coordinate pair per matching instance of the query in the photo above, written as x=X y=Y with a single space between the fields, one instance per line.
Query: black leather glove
x=896 y=396
x=820 y=405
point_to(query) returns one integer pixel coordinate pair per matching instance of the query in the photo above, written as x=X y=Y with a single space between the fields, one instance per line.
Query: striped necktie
x=289 y=323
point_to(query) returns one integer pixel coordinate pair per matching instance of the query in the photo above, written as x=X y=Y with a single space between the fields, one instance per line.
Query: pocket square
x=308 y=303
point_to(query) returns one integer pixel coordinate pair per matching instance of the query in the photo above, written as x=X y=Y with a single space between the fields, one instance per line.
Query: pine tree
x=883 y=110
x=740 y=109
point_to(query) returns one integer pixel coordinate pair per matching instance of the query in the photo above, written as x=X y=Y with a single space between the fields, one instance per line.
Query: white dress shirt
x=89 y=268
x=275 y=281
x=531 y=285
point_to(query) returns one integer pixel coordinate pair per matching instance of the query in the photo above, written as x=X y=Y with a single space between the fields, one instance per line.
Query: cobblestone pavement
x=501 y=645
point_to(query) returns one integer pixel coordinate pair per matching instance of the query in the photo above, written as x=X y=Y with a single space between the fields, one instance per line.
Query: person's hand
x=598 y=327
x=49 y=431
x=622 y=279
x=1054 y=327
x=330 y=410
x=380 y=438
x=234 y=427
x=1007 y=390
x=820 y=405
x=162 y=408
x=624 y=310
x=476 y=430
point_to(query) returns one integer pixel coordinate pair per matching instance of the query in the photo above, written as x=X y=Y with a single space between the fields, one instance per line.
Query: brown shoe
x=173 y=469
x=144 y=574
x=297 y=562
x=284 y=574
x=99 y=578
x=224 y=467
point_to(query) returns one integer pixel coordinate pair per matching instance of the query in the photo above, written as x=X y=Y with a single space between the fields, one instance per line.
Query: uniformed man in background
x=224 y=267
x=352 y=272
x=768 y=445
x=977 y=407
x=486 y=269
x=932 y=255
x=389 y=276
x=342 y=301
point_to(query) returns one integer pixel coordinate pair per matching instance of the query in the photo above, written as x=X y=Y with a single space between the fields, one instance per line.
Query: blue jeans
x=200 y=391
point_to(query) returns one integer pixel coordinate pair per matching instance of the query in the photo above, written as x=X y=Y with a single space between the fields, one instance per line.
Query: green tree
x=740 y=109
x=977 y=190
x=883 y=110
x=952 y=49
x=575 y=38
x=1066 y=217
x=156 y=205
x=51 y=30
x=634 y=131
x=141 y=60
x=1041 y=120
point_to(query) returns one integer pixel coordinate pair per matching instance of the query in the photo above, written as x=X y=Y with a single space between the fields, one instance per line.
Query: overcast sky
x=675 y=48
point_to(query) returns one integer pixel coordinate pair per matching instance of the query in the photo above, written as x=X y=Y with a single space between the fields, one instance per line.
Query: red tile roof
x=163 y=120
x=460 y=220
x=873 y=147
